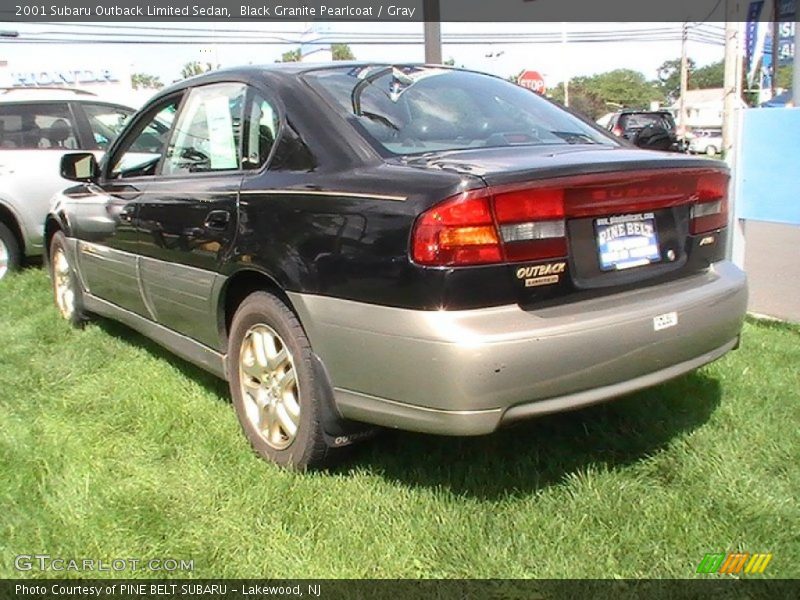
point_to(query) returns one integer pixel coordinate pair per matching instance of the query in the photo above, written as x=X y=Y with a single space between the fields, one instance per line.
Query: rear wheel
x=66 y=289
x=10 y=253
x=711 y=151
x=275 y=393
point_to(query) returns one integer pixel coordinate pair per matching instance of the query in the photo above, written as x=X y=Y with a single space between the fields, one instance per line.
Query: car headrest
x=59 y=131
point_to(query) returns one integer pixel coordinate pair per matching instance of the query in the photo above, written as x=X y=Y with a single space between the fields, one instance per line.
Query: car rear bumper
x=468 y=372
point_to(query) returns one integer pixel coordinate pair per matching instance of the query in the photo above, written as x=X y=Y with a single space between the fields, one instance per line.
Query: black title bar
x=375 y=10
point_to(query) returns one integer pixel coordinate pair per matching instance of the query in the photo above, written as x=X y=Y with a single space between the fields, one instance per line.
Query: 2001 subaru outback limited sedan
x=408 y=246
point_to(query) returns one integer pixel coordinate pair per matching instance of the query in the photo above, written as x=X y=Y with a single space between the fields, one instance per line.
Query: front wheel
x=276 y=395
x=66 y=288
x=10 y=254
x=711 y=151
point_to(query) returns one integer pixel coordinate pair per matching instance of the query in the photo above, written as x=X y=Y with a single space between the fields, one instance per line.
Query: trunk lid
x=630 y=217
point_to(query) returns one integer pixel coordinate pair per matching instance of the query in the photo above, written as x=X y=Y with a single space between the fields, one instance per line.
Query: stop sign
x=532 y=80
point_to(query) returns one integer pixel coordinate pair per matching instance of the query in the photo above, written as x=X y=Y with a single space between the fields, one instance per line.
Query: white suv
x=38 y=126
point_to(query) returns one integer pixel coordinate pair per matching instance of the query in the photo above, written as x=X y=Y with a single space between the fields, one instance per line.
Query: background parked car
x=648 y=129
x=706 y=141
x=37 y=127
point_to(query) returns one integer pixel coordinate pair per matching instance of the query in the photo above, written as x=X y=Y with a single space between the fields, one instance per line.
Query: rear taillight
x=710 y=212
x=532 y=223
x=528 y=222
x=617 y=131
x=458 y=231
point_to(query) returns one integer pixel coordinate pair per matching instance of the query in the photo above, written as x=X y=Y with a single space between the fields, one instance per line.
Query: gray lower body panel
x=185 y=347
x=466 y=372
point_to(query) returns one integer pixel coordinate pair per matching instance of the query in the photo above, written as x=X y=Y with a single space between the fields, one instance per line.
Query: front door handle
x=217 y=220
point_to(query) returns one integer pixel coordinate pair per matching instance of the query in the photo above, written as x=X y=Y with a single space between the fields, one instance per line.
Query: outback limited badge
x=537 y=275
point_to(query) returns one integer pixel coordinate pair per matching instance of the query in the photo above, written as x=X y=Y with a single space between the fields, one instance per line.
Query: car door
x=189 y=216
x=33 y=138
x=105 y=219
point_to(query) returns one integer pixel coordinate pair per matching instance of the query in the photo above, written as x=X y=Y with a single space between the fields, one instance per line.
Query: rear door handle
x=217 y=220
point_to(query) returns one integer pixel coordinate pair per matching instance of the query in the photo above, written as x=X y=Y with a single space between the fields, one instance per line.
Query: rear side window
x=37 y=126
x=106 y=122
x=207 y=134
x=414 y=110
x=262 y=132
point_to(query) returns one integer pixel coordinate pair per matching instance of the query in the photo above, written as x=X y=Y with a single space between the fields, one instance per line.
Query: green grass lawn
x=111 y=447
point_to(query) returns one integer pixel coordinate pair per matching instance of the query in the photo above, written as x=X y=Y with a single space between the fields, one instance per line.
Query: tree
x=710 y=76
x=624 y=87
x=290 y=56
x=669 y=74
x=342 y=52
x=581 y=100
x=783 y=78
x=596 y=95
x=195 y=67
x=145 y=81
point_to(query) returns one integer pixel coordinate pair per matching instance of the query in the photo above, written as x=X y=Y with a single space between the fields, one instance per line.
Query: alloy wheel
x=269 y=386
x=4 y=258
x=63 y=284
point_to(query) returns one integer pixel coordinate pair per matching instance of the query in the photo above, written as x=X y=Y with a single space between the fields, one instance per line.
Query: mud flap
x=337 y=430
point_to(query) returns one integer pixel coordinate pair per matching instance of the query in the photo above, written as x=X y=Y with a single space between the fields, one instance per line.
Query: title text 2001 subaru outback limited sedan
x=408 y=246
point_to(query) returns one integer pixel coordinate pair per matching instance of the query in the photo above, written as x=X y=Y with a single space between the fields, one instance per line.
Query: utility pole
x=733 y=75
x=775 y=36
x=433 y=31
x=730 y=122
x=796 y=59
x=566 y=62
x=684 y=82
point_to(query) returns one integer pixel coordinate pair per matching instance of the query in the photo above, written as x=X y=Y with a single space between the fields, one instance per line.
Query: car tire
x=276 y=395
x=711 y=151
x=67 y=292
x=10 y=253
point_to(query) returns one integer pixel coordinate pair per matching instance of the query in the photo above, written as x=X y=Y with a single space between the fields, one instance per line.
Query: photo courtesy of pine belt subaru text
x=405 y=246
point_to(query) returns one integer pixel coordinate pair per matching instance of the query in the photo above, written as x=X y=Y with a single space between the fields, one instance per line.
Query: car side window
x=106 y=122
x=37 y=126
x=207 y=134
x=263 y=120
x=144 y=146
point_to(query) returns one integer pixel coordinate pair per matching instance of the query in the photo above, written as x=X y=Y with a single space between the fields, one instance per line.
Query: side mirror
x=79 y=166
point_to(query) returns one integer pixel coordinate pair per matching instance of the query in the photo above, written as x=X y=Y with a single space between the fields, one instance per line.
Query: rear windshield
x=642 y=120
x=413 y=110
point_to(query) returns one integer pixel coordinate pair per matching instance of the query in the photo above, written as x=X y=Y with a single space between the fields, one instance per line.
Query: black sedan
x=406 y=246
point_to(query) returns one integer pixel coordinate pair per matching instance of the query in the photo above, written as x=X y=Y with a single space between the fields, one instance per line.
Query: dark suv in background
x=648 y=129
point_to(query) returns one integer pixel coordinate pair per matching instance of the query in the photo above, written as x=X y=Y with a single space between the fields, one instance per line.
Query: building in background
x=110 y=82
x=703 y=109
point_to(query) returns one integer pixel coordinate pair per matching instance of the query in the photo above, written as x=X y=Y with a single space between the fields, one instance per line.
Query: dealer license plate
x=627 y=241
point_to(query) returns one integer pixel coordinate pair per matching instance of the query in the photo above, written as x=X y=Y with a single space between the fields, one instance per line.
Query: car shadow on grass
x=209 y=382
x=541 y=452
x=520 y=459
